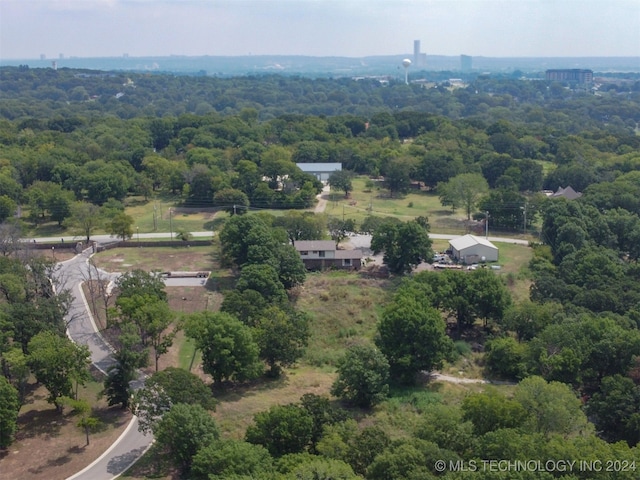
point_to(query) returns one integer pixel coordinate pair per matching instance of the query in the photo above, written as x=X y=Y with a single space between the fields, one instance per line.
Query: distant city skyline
x=345 y=28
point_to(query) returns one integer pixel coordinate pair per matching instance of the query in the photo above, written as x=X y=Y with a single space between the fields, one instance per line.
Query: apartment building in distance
x=572 y=75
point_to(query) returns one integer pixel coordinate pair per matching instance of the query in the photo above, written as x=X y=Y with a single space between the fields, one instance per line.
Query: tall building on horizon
x=466 y=63
x=419 y=59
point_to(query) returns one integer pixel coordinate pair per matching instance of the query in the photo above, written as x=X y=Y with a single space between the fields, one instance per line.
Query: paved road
x=82 y=329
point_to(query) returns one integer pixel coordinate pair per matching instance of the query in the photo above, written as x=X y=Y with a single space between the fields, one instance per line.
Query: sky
x=346 y=28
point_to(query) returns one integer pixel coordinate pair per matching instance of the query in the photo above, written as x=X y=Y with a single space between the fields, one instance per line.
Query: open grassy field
x=363 y=202
x=344 y=309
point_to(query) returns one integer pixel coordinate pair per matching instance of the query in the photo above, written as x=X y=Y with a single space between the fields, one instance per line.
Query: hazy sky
x=351 y=28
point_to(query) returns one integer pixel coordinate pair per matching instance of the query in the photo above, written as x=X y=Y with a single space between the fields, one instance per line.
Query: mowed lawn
x=363 y=202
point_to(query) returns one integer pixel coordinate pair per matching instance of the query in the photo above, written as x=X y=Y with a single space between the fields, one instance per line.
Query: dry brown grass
x=237 y=406
x=49 y=445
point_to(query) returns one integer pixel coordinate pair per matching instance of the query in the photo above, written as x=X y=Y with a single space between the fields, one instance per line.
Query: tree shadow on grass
x=41 y=423
x=55 y=462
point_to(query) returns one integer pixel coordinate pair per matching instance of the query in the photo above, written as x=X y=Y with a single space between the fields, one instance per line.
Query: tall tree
x=301 y=225
x=363 y=376
x=615 y=410
x=229 y=351
x=463 y=191
x=166 y=388
x=405 y=245
x=411 y=334
x=397 y=178
x=282 y=429
x=121 y=225
x=339 y=229
x=9 y=408
x=84 y=219
x=183 y=431
x=281 y=337
x=341 y=180
x=55 y=362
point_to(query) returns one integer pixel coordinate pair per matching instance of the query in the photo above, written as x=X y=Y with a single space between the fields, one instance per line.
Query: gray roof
x=315 y=245
x=466 y=241
x=568 y=193
x=319 y=167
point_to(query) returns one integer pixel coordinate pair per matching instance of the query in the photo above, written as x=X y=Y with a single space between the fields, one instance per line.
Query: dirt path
x=462 y=380
x=322 y=200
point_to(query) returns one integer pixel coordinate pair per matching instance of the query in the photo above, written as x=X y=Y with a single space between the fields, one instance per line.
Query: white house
x=322 y=171
x=472 y=249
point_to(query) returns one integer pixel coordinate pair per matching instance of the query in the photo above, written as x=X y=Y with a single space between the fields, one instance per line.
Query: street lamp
x=138 y=232
x=170 y=225
x=53 y=252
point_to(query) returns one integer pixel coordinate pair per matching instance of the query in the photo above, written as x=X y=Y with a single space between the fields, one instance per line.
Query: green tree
x=241 y=232
x=411 y=334
x=341 y=180
x=405 y=245
x=397 y=178
x=363 y=376
x=551 y=407
x=83 y=408
x=491 y=411
x=365 y=447
x=54 y=361
x=282 y=429
x=121 y=225
x=301 y=225
x=339 y=229
x=320 y=468
x=229 y=351
x=463 y=191
x=231 y=459
x=506 y=358
x=263 y=279
x=84 y=219
x=323 y=414
x=291 y=269
x=7 y=208
x=166 y=388
x=183 y=431
x=615 y=410
x=142 y=283
x=129 y=356
x=9 y=408
x=153 y=318
x=235 y=201
x=282 y=337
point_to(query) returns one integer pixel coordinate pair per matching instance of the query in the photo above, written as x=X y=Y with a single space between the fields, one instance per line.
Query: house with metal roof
x=472 y=249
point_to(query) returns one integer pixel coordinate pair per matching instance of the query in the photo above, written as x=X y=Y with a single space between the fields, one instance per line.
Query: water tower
x=406 y=63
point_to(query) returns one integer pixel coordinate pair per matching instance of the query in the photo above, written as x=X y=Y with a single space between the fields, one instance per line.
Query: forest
x=77 y=146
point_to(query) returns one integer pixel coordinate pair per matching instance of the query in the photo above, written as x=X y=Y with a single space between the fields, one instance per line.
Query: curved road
x=130 y=446
x=81 y=329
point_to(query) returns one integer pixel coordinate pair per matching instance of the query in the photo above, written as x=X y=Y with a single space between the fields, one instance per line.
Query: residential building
x=323 y=254
x=472 y=249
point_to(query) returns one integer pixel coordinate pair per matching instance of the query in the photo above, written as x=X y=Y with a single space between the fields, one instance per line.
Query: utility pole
x=486 y=224
x=525 y=217
x=234 y=209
